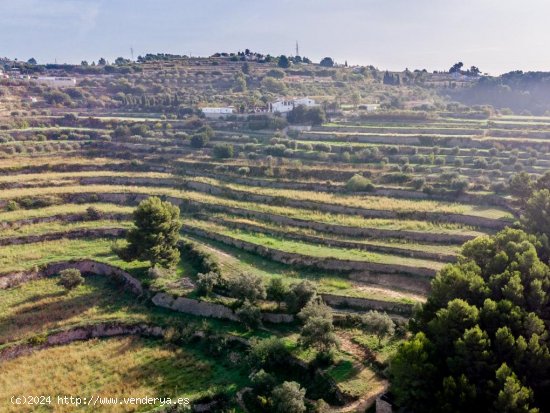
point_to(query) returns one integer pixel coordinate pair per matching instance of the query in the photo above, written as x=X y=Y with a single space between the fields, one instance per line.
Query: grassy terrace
x=52 y=176
x=234 y=262
x=21 y=162
x=369 y=202
x=442 y=249
x=123 y=367
x=43 y=305
x=296 y=213
x=49 y=227
x=63 y=209
x=26 y=256
x=313 y=250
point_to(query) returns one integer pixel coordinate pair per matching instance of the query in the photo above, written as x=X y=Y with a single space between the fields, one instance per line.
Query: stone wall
x=339 y=243
x=332 y=264
x=207 y=309
x=135 y=198
x=111 y=329
x=342 y=209
x=367 y=304
x=85 y=267
x=71 y=234
x=61 y=218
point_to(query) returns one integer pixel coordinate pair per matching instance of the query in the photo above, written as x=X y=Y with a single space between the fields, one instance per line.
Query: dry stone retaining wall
x=79 y=334
x=72 y=234
x=84 y=266
x=367 y=304
x=341 y=209
x=310 y=261
x=340 y=243
x=206 y=309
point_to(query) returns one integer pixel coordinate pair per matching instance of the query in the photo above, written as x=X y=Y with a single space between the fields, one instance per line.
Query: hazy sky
x=495 y=35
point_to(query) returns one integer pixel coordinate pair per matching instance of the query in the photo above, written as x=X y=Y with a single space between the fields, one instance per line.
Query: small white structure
x=285 y=106
x=370 y=107
x=56 y=81
x=217 y=112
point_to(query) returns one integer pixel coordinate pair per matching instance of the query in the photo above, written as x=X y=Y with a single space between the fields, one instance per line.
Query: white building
x=56 y=81
x=217 y=112
x=285 y=106
x=370 y=107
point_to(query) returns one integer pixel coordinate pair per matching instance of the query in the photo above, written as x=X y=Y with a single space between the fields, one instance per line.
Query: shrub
x=262 y=382
x=379 y=324
x=157 y=272
x=358 y=183
x=70 y=278
x=12 y=205
x=268 y=353
x=418 y=183
x=247 y=287
x=199 y=140
x=288 y=397
x=250 y=315
x=276 y=290
x=207 y=282
x=93 y=214
x=299 y=295
x=223 y=150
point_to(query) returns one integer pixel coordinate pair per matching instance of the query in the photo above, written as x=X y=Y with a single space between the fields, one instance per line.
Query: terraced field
x=367 y=208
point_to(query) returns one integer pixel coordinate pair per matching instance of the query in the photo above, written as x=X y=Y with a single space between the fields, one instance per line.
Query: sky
x=495 y=35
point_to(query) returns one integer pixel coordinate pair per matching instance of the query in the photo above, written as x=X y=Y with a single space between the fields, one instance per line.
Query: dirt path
x=359 y=353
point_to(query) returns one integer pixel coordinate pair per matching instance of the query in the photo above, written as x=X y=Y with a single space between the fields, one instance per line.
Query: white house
x=370 y=107
x=285 y=106
x=217 y=112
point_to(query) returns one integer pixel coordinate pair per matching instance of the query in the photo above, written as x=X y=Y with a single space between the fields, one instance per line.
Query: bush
x=299 y=295
x=262 y=382
x=250 y=315
x=12 y=205
x=247 y=287
x=268 y=353
x=158 y=272
x=207 y=282
x=379 y=324
x=93 y=214
x=199 y=140
x=223 y=150
x=288 y=397
x=418 y=183
x=70 y=278
x=358 y=183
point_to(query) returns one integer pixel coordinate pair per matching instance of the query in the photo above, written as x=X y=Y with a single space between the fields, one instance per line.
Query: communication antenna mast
x=132 y=52
x=297 y=49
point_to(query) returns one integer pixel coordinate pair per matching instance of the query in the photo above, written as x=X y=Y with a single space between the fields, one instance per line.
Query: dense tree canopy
x=155 y=233
x=480 y=342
